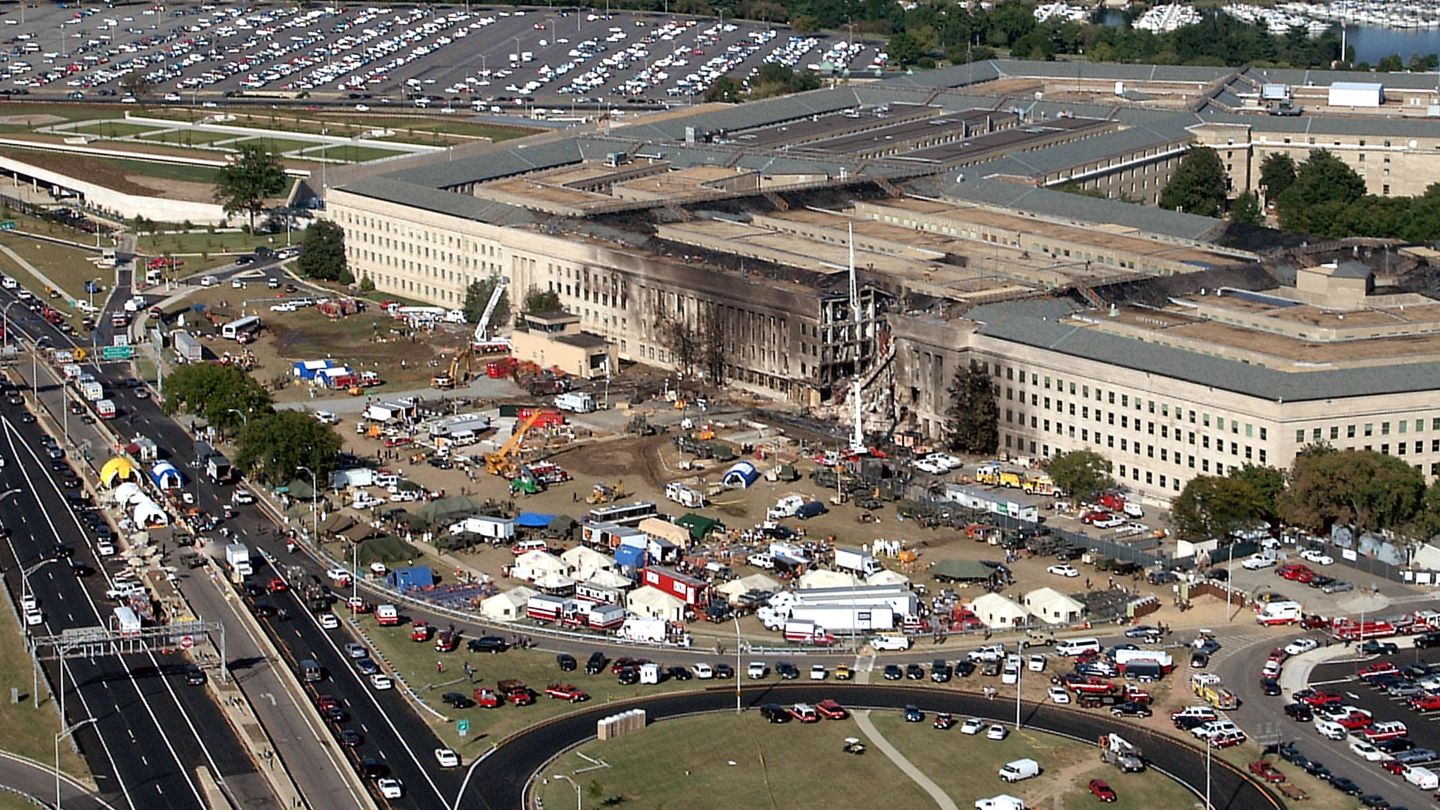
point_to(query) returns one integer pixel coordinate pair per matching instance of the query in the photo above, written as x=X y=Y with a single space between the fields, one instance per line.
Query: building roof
x=654 y=598
x=1048 y=596
x=998 y=603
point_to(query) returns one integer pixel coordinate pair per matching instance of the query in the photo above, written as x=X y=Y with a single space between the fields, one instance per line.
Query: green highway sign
x=7 y=225
x=462 y=727
x=117 y=352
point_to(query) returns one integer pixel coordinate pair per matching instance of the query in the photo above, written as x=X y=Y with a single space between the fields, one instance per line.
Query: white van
x=889 y=642
x=649 y=673
x=1019 y=770
x=1423 y=778
x=1273 y=613
x=1330 y=730
x=463 y=438
x=1072 y=647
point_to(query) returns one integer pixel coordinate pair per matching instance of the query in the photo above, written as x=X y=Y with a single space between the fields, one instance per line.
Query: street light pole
x=314 y=492
x=1019 y=672
x=737 y=663
x=58 y=737
x=574 y=784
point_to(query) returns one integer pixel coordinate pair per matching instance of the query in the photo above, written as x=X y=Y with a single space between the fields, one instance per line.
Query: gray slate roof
x=1040 y=323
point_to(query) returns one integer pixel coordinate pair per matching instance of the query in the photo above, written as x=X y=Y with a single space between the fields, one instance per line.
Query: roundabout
x=502 y=780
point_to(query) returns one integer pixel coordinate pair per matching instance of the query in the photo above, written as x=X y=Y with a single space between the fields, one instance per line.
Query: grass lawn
x=351 y=153
x=113 y=129
x=30 y=731
x=276 y=145
x=537 y=669
x=1322 y=795
x=197 y=242
x=724 y=761
x=163 y=171
x=66 y=266
x=189 y=137
x=69 y=111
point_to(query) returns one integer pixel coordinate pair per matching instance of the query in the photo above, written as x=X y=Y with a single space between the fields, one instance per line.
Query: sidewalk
x=862 y=719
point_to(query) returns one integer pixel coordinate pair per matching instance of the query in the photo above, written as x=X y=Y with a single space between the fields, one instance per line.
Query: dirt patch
x=95 y=171
x=620 y=459
x=178 y=189
x=31 y=120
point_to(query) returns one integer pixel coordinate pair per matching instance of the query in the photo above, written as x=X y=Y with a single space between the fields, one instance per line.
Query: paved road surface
x=38 y=780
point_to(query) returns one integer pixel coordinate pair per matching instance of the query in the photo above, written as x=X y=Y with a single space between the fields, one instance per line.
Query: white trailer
x=237 y=556
x=487 y=526
x=842 y=619
x=636 y=628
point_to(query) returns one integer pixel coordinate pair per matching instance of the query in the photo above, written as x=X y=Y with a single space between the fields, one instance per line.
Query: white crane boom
x=482 y=329
x=857 y=436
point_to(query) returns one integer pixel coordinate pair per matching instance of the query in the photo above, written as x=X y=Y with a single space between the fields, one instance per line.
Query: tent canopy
x=117 y=468
x=415 y=576
x=149 y=513
x=964 y=570
x=166 y=476
x=741 y=475
x=533 y=520
x=699 y=525
x=128 y=493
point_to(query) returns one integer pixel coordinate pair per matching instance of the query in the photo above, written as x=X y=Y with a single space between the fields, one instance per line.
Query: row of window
x=1366 y=430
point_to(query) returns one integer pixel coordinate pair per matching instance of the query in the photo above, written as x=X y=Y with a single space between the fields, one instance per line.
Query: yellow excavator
x=459 y=372
x=503 y=462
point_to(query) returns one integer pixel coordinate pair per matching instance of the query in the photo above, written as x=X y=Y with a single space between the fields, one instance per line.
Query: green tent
x=961 y=571
x=699 y=525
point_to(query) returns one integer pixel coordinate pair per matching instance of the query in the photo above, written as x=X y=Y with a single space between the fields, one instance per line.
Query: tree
x=725 y=89
x=903 y=50
x=1277 y=173
x=1246 y=210
x=1198 y=184
x=682 y=341
x=1212 y=506
x=251 y=175
x=1082 y=474
x=972 y=422
x=1323 y=188
x=1358 y=488
x=1268 y=483
x=477 y=296
x=214 y=392
x=323 y=253
x=538 y=300
x=274 y=447
x=137 y=86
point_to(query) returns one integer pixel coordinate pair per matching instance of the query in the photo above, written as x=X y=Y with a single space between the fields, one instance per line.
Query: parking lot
x=437 y=57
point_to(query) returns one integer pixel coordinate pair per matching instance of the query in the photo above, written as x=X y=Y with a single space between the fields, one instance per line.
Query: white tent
x=887 y=577
x=128 y=493
x=821 y=578
x=149 y=513
x=532 y=565
x=586 y=562
x=653 y=603
x=610 y=579
x=508 y=605
x=554 y=583
x=736 y=588
x=1053 y=607
x=998 y=611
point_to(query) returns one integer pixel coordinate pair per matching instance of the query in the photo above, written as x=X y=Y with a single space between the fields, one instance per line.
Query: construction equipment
x=1117 y=751
x=526 y=483
x=605 y=493
x=639 y=425
x=502 y=462
x=483 y=342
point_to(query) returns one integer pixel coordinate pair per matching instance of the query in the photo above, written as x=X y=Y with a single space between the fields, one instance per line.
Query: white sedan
x=997 y=732
x=381 y=682
x=1367 y=752
x=447 y=758
x=391 y=788
x=1301 y=645
x=926 y=465
x=1257 y=562
x=1063 y=571
x=972 y=726
x=818 y=672
x=329 y=621
x=1317 y=557
x=703 y=671
x=1058 y=695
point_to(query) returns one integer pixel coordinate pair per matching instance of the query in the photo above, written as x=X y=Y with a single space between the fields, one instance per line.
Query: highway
x=498 y=782
x=145 y=744
x=393 y=733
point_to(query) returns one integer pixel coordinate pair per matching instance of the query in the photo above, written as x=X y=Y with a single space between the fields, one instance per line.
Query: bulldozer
x=605 y=493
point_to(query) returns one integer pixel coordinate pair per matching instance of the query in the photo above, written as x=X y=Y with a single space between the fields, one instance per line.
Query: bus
x=242 y=330
x=625 y=514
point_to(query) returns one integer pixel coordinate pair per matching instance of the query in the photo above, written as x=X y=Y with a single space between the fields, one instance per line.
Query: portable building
x=653 y=603
x=507 y=606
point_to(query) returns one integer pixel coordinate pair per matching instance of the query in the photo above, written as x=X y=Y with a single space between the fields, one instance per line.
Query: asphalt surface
x=502 y=777
x=38 y=780
x=146 y=741
x=353 y=53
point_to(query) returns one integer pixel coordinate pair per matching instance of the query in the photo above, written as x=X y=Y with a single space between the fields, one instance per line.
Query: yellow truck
x=1206 y=686
x=1031 y=482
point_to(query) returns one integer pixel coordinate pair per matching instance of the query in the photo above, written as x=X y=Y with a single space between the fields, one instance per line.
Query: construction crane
x=483 y=342
x=857 y=436
x=502 y=462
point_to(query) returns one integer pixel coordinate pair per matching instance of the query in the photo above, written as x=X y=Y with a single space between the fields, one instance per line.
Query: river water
x=1370 y=44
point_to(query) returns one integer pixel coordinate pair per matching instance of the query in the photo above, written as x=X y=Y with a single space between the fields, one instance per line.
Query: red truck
x=487 y=698
x=420 y=631
x=565 y=691
x=516 y=692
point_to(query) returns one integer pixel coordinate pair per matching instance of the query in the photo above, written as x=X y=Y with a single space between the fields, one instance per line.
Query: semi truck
x=187 y=348
x=237 y=556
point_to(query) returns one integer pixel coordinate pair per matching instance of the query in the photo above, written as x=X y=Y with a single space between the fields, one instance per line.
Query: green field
x=163 y=171
x=30 y=732
x=68 y=267
x=724 y=761
x=276 y=145
x=198 y=242
x=350 y=153
x=189 y=137
x=113 y=129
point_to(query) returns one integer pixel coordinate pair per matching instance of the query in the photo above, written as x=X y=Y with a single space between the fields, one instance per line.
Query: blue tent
x=740 y=476
x=166 y=476
x=416 y=576
x=533 y=520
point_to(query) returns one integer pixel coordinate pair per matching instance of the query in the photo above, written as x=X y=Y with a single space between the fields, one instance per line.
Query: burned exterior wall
x=928 y=350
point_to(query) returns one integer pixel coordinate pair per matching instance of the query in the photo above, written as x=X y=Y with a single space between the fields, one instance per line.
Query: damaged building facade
x=718 y=244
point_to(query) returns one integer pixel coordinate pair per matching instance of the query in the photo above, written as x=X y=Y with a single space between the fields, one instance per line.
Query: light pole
x=1019 y=671
x=5 y=318
x=58 y=737
x=93 y=286
x=736 y=619
x=1208 y=746
x=244 y=420
x=314 y=493
x=574 y=784
x=24 y=594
